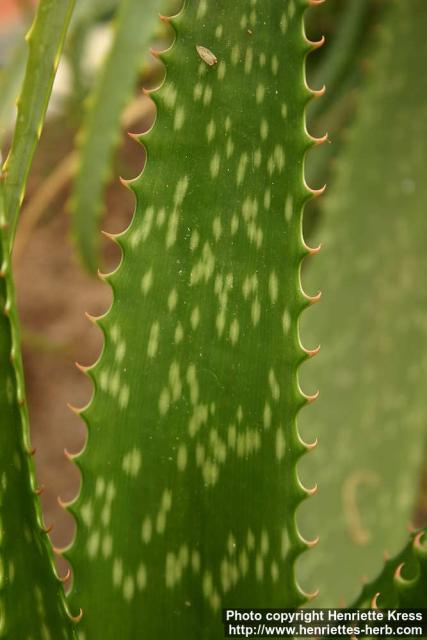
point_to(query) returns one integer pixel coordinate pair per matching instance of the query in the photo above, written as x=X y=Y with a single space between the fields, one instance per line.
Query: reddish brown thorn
x=317 y=192
x=311 y=596
x=137 y=137
x=310 y=398
x=312 y=251
x=57 y=551
x=318 y=93
x=102 y=276
x=312 y=352
x=374 y=601
x=317 y=44
x=166 y=19
x=398 y=572
x=313 y=299
x=62 y=503
x=81 y=367
x=311 y=445
x=78 y=617
x=70 y=456
x=75 y=410
x=91 y=318
x=417 y=541
x=154 y=53
x=123 y=181
x=313 y=3
x=308 y=445
x=31 y=451
x=320 y=140
x=147 y=92
x=66 y=577
x=312 y=543
x=39 y=490
x=312 y=491
x=47 y=529
x=111 y=236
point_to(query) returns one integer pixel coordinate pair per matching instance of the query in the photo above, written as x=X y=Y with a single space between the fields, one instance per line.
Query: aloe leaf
x=100 y=133
x=410 y=583
x=189 y=481
x=85 y=17
x=342 y=53
x=32 y=601
x=372 y=321
x=402 y=581
x=45 y=42
x=10 y=81
x=87 y=13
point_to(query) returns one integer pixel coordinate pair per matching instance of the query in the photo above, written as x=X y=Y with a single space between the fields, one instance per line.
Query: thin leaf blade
x=32 y=600
x=134 y=26
x=45 y=40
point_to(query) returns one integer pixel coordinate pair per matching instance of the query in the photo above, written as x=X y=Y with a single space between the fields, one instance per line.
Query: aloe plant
x=220 y=276
x=191 y=497
x=376 y=388
x=402 y=581
x=27 y=573
x=134 y=27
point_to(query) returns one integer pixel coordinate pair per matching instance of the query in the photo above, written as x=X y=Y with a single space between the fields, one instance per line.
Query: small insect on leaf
x=206 y=55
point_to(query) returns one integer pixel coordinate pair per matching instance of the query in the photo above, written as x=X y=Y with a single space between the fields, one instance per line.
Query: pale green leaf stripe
x=190 y=487
x=45 y=41
x=372 y=323
x=32 y=601
x=135 y=24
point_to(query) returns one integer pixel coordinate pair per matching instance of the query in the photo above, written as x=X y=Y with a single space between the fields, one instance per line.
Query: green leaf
x=87 y=13
x=372 y=322
x=342 y=54
x=45 y=41
x=86 y=16
x=135 y=23
x=11 y=77
x=402 y=581
x=32 y=601
x=189 y=487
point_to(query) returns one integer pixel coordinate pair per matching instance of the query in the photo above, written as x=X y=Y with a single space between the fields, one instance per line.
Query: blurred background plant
x=73 y=187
